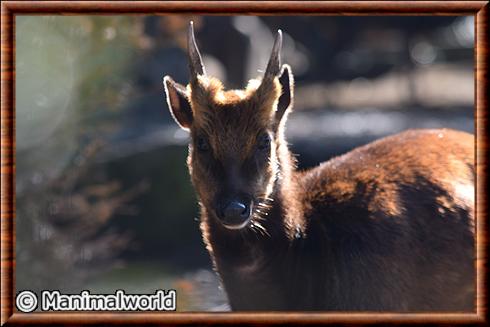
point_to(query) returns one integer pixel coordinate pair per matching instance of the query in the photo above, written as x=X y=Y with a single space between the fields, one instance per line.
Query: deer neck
x=281 y=224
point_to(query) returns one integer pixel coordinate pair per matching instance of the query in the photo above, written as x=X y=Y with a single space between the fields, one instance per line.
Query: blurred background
x=103 y=196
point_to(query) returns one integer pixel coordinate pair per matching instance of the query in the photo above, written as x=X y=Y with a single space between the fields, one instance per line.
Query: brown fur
x=387 y=226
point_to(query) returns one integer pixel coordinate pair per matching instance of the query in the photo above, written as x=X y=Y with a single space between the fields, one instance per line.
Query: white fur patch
x=464 y=192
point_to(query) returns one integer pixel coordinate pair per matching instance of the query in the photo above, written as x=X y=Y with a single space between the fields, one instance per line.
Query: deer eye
x=264 y=142
x=202 y=144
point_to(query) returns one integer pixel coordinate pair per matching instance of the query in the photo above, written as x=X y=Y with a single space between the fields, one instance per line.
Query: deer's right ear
x=178 y=102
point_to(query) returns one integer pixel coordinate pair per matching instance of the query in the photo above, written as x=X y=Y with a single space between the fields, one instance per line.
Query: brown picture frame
x=10 y=9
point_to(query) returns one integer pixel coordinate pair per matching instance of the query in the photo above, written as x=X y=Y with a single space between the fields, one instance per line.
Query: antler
x=195 y=62
x=274 y=65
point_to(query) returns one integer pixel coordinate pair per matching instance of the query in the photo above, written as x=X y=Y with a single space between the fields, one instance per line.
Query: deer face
x=235 y=135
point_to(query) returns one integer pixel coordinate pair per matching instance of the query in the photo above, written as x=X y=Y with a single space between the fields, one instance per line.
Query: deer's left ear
x=285 y=102
x=178 y=103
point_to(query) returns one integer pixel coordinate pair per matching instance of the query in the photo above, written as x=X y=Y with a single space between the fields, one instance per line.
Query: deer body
x=387 y=226
x=367 y=235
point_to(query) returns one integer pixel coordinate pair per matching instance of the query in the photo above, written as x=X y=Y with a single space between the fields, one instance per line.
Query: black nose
x=235 y=213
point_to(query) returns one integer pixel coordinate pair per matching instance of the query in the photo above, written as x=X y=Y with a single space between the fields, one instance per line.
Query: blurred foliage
x=68 y=71
x=61 y=234
x=67 y=68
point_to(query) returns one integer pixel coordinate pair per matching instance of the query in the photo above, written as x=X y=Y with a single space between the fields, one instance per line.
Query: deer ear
x=285 y=101
x=178 y=102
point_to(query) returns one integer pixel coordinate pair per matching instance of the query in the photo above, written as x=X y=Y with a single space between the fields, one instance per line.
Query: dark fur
x=388 y=226
x=350 y=251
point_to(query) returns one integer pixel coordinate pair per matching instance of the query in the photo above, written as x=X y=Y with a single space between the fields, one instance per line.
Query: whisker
x=259 y=214
x=262 y=229
x=254 y=229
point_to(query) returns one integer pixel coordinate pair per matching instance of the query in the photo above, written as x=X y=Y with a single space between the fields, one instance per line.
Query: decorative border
x=10 y=9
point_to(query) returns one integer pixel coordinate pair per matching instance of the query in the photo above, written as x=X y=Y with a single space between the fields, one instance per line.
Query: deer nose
x=235 y=214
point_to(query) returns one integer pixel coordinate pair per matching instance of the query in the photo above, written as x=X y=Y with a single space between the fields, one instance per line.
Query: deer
x=388 y=226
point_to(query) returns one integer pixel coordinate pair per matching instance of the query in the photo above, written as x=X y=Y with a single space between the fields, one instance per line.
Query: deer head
x=236 y=136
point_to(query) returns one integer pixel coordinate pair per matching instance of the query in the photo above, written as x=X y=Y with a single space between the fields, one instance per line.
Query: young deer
x=387 y=226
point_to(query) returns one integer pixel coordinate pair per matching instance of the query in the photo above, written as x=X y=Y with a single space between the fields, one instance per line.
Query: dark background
x=103 y=196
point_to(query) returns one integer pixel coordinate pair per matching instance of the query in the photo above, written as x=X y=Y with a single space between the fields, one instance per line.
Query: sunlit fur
x=232 y=120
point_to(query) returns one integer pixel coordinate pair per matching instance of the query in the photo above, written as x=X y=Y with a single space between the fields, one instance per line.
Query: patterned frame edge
x=9 y=9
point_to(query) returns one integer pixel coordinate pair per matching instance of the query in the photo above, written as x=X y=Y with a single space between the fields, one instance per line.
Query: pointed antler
x=274 y=65
x=195 y=61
